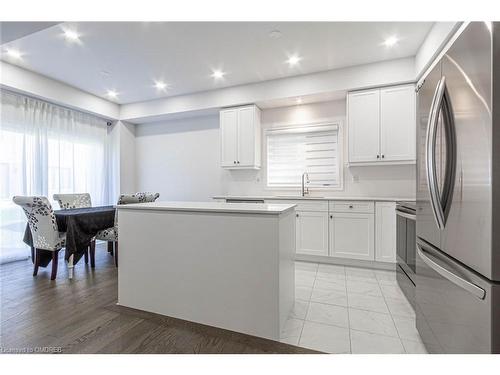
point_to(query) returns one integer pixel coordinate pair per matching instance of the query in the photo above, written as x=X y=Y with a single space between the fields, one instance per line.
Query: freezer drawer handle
x=455 y=279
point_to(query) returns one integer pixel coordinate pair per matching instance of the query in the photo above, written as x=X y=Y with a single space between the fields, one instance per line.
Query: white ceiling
x=129 y=56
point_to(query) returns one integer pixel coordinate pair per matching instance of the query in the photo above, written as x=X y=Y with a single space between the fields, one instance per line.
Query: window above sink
x=312 y=149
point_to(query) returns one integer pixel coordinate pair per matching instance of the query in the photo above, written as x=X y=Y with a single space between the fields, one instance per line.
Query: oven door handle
x=454 y=278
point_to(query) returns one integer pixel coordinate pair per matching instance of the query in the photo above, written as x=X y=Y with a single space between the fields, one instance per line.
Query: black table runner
x=80 y=225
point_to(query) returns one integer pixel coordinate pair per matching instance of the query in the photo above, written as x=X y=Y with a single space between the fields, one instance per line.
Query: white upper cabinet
x=229 y=137
x=381 y=126
x=240 y=137
x=364 y=123
x=397 y=123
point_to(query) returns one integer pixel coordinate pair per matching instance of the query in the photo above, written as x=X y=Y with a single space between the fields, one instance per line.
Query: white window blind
x=311 y=149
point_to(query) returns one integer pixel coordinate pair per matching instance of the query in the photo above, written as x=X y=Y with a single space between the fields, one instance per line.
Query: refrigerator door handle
x=451 y=153
x=430 y=154
x=455 y=279
x=441 y=203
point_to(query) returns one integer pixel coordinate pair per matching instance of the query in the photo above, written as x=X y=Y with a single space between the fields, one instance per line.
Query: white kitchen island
x=221 y=264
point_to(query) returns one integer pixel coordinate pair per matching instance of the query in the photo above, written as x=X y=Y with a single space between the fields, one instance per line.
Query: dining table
x=80 y=225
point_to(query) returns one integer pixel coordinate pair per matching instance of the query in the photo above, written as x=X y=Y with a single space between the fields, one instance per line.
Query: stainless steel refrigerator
x=458 y=196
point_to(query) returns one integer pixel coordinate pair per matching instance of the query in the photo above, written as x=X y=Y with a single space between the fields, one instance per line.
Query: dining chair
x=43 y=226
x=76 y=200
x=111 y=234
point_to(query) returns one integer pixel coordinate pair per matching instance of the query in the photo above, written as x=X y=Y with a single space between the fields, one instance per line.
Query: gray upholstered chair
x=43 y=225
x=111 y=234
x=76 y=200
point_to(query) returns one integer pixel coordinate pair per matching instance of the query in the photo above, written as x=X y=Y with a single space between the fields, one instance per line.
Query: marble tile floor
x=341 y=309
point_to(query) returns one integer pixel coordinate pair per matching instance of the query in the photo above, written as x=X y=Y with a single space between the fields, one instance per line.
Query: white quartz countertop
x=248 y=208
x=313 y=198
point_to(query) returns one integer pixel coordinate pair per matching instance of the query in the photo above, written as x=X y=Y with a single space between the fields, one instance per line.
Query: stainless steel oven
x=406 y=248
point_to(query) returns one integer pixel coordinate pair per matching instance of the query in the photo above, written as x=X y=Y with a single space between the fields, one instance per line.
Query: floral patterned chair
x=67 y=201
x=76 y=200
x=43 y=226
x=111 y=234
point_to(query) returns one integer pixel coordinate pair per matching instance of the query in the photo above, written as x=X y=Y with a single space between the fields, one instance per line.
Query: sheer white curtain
x=46 y=149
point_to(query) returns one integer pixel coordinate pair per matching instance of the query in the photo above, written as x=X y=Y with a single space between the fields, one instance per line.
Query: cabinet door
x=312 y=233
x=246 y=137
x=397 y=123
x=229 y=137
x=352 y=235
x=385 y=232
x=363 y=128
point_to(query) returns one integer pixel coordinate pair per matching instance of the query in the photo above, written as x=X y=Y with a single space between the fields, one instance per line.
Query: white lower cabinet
x=385 y=232
x=312 y=232
x=361 y=230
x=352 y=235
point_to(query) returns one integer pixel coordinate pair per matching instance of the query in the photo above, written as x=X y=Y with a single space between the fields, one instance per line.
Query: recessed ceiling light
x=298 y=100
x=293 y=60
x=15 y=54
x=218 y=74
x=160 y=85
x=71 y=35
x=112 y=94
x=391 y=41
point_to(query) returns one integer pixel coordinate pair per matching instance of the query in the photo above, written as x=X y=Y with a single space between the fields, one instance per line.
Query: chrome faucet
x=305 y=180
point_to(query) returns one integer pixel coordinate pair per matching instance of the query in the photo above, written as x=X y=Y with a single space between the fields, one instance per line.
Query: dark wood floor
x=81 y=316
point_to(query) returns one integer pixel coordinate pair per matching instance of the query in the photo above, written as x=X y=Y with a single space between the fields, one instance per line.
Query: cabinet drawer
x=303 y=205
x=352 y=206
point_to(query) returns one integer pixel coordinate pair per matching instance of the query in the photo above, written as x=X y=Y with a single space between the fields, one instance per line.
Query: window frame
x=294 y=127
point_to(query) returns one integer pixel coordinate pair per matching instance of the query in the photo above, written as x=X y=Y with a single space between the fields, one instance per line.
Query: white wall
x=121 y=159
x=181 y=159
x=127 y=158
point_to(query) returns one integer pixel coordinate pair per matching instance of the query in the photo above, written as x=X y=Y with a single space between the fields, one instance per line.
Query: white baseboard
x=345 y=262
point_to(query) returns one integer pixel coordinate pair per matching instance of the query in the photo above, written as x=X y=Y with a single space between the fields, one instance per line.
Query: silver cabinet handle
x=383 y=156
x=351 y=206
x=455 y=279
x=378 y=156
